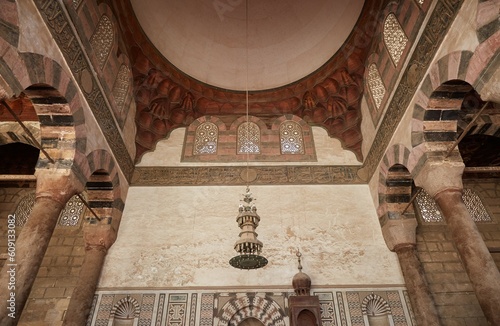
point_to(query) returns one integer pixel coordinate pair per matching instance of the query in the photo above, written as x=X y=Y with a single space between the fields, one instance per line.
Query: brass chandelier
x=248 y=247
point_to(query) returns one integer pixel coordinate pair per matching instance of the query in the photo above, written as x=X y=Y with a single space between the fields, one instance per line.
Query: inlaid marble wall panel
x=339 y=307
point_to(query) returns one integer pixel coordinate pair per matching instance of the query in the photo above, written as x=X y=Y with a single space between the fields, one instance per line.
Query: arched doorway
x=251 y=322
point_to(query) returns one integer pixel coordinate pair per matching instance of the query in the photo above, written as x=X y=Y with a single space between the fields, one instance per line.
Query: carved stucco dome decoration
x=305 y=58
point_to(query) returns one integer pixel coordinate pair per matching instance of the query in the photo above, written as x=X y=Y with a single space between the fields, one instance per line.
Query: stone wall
x=58 y=274
x=340 y=306
x=449 y=284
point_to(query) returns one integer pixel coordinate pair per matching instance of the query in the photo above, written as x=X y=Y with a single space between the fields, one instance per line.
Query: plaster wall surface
x=184 y=237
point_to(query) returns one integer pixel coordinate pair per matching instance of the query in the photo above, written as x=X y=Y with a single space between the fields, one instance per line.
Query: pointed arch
x=266 y=310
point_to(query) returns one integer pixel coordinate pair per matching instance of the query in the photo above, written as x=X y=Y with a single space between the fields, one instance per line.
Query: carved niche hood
x=304 y=58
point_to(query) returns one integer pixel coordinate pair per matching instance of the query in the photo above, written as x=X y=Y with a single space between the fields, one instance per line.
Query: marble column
x=53 y=190
x=98 y=239
x=443 y=181
x=399 y=235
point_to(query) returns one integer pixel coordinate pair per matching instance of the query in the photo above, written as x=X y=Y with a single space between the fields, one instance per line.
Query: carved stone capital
x=58 y=185
x=437 y=175
x=98 y=236
x=399 y=232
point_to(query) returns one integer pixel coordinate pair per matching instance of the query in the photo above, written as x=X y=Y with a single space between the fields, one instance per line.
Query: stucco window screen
x=24 y=208
x=205 y=139
x=291 y=138
x=72 y=212
x=102 y=40
x=475 y=206
x=394 y=38
x=121 y=86
x=376 y=85
x=248 y=138
x=429 y=210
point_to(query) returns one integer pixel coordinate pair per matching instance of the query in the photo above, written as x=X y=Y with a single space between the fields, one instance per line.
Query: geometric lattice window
x=121 y=86
x=248 y=138
x=428 y=208
x=102 y=40
x=394 y=38
x=24 y=208
x=291 y=138
x=475 y=206
x=205 y=139
x=70 y=215
x=377 y=88
x=430 y=212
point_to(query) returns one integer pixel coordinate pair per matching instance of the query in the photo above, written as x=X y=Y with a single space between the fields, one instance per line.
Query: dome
x=301 y=283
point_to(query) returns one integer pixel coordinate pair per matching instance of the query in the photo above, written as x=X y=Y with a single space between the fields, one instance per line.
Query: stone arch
x=11 y=34
x=266 y=310
x=462 y=66
x=55 y=99
x=487 y=19
x=440 y=97
x=103 y=185
x=395 y=182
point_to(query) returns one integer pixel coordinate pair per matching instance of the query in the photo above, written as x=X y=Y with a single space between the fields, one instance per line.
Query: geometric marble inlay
x=339 y=307
x=394 y=38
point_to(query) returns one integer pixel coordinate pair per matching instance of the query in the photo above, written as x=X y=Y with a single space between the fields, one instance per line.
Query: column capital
x=439 y=174
x=98 y=236
x=58 y=185
x=399 y=232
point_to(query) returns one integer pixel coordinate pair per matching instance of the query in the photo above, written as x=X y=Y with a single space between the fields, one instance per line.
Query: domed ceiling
x=275 y=42
x=196 y=58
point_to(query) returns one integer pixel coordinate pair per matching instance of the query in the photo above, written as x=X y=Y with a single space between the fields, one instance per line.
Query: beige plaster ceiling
x=287 y=39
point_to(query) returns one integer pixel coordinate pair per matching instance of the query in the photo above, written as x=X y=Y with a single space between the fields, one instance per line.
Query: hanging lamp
x=248 y=247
